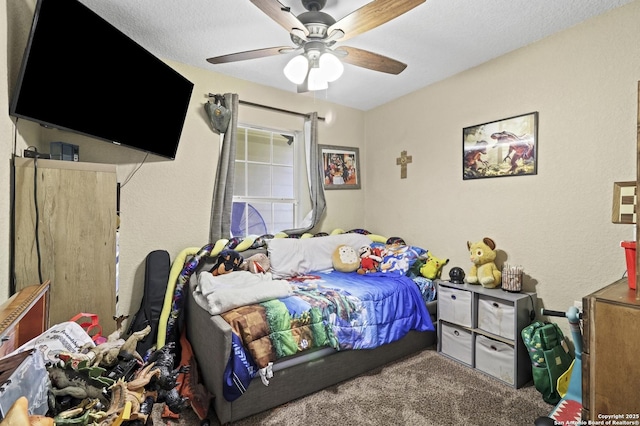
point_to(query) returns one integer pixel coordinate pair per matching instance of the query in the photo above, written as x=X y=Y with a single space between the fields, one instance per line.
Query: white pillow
x=295 y=256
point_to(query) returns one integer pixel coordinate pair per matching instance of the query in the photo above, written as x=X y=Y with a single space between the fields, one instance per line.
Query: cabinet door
x=77 y=235
x=614 y=366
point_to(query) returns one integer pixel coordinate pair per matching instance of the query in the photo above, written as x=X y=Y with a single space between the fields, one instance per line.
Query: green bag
x=550 y=357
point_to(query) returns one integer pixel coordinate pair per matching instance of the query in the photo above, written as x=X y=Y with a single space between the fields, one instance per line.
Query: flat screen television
x=81 y=74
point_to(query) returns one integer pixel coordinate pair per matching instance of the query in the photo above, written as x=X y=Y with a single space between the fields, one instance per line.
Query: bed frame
x=210 y=338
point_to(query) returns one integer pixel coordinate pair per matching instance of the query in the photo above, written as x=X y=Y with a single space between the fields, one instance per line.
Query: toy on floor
x=569 y=409
x=82 y=382
x=127 y=398
x=483 y=269
x=18 y=415
x=88 y=412
x=108 y=353
x=163 y=383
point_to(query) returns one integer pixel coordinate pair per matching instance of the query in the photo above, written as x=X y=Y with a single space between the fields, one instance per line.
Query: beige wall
x=557 y=224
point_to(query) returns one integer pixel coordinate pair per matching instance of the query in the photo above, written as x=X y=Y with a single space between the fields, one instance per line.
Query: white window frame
x=295 y=201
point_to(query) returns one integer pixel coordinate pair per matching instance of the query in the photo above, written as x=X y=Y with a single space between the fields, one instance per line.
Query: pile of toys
x=85 y=383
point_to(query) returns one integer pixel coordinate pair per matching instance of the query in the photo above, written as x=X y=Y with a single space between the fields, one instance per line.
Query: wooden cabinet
x=481 y=327
x=611 y=344
x=76 y=217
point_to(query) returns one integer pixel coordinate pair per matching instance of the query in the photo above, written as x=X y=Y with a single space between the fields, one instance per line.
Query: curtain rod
x=211 y=95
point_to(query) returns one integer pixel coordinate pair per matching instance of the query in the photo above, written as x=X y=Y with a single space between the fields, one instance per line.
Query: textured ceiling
x=436 y=40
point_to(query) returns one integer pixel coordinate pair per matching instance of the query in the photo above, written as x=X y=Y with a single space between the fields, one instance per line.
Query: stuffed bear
x=483 y=269
x=228 y=261
x=432 y=267
x=370 y=259
x=345 y=259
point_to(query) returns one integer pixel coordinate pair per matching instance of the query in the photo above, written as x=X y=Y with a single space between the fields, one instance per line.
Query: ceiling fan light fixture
x=296 y=69
x=316 y=32
x=316 y=80
x=330 y=66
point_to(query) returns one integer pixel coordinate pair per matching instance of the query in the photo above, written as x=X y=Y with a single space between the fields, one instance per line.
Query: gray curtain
x=220 y=226
x=315 y=174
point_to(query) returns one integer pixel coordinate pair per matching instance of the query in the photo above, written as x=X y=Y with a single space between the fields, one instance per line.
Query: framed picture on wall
x=341 y=167
x=624 y=202
x=506 y=147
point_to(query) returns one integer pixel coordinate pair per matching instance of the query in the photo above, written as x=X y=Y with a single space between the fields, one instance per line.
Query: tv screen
x=80 y=73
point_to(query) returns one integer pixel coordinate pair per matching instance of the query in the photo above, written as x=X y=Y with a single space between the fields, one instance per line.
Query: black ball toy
x=456 y=275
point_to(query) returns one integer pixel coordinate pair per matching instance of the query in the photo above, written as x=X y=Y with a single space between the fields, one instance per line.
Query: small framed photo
x=506 y=147
x=341 y=166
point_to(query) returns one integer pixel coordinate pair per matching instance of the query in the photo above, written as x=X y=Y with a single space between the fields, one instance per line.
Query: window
x=264 y=194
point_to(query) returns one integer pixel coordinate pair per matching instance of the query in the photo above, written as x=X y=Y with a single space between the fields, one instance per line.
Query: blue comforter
x=336 y=309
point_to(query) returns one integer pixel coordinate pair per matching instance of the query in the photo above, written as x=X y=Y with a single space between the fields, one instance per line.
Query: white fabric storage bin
x=454 y=305
x=456 y=342
x=496 y=316
x=495 y=358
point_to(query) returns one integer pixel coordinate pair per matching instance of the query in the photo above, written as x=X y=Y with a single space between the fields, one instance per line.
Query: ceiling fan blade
x=281 y=14
x=250 y=54
x=371 y=15
x=370 y=60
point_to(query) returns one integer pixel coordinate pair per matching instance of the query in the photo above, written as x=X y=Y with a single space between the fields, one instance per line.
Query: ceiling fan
x=315 y=33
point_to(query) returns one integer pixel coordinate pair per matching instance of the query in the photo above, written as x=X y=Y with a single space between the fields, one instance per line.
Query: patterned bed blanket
x=333 y=309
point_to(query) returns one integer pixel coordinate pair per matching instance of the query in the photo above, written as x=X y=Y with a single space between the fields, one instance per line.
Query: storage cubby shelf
x=480 y=327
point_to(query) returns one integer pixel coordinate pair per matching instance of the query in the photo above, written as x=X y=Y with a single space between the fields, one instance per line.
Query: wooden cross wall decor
x=402 y=161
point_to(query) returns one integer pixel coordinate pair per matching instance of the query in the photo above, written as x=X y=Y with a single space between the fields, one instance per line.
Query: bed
x=346 y=330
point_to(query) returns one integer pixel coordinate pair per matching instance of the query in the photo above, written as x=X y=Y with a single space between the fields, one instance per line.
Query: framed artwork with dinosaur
x=506 y=147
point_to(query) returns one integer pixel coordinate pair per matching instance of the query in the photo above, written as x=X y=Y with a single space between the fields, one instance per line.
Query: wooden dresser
x=611 y=346
x=24 y=316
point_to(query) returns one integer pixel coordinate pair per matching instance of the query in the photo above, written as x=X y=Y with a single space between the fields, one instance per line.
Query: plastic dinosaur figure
x=106 y=354
x=131 y=393
x=81 y=383
x=84 y=414
x=166 y=382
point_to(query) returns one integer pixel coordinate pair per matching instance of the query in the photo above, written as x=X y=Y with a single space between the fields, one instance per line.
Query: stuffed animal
x=370 y=259
x=483 y=269
x=432 y=267
x=228 y=261
x=345 y=259
x=258 y=263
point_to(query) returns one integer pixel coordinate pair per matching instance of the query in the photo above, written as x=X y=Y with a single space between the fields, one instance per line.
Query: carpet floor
x=422 y=389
